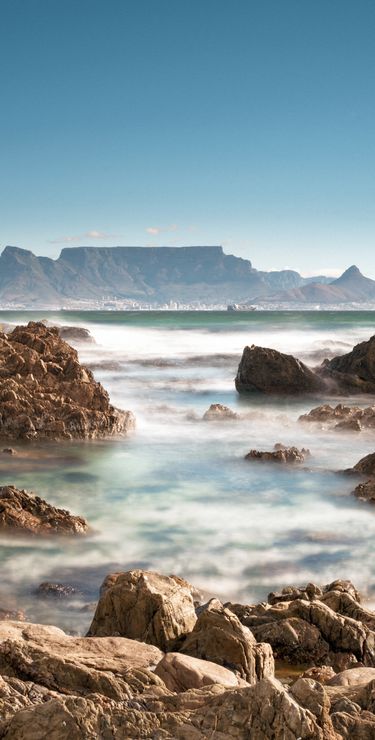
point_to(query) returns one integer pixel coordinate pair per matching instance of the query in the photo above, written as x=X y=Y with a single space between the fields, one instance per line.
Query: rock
x=353 y=677
x=365 y=491
x=323 y=674
x=47 y=590
x=355 y=371
x=269 y=371
x=218 y=412
x=218 y=636
x=47 y=656
x=46 y=394
x=9 y=451
x=75 y=334
x=266 y=710
x=366 y=466
x=145 y=606
x=345 y=418
x=28 y=514
x=182 y=672
x=280 y=454
x=329 y=627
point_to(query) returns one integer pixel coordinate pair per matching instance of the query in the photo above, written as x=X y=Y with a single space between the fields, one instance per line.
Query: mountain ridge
x=158 y=275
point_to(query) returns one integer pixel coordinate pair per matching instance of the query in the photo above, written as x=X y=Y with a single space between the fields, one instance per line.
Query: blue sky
x=242 y=123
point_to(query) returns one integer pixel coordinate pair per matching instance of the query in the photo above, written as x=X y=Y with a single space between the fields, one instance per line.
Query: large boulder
x=219 y=636
x=314 y=626
x=26 y=513
x=47 y=656
x=46 y=394
x=355 y=371
x=145 y=606
x=269 y=371
x=182 y=672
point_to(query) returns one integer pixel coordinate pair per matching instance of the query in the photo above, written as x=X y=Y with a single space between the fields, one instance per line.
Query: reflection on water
x=177 y=496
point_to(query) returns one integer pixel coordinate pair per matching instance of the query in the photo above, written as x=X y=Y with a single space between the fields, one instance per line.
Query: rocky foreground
x=266 y=370
x=158 y=664
x=45 y=393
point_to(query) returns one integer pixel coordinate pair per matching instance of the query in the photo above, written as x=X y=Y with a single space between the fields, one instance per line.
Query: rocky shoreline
x=159 y=661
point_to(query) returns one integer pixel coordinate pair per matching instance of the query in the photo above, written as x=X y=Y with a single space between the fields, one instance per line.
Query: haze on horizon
x=245 y=124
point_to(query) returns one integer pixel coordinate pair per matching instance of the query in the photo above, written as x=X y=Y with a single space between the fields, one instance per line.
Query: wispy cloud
x=327 y=271
x=91 y=234
x=155 y=230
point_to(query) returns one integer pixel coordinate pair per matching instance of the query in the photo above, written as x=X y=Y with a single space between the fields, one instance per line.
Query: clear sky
x=245 y=123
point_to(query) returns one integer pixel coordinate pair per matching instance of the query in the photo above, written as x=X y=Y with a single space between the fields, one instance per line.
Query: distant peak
x=352 y=271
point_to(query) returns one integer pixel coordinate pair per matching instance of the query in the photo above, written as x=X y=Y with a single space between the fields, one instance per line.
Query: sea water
x=176 y=495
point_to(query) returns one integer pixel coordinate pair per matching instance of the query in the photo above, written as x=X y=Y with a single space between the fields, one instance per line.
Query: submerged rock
x=28 y=514
x=75 y=334
x=46 y=394
x=365 y=491
x=48 y=590
x=269 y=371
x=146 y=606
x=218 y=412
x=280 y=454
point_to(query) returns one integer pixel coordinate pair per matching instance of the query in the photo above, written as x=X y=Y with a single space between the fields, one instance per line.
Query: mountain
x=350 y=287
x=145 y=274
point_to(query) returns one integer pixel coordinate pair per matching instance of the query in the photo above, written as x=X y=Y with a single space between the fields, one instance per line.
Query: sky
x=245 y=123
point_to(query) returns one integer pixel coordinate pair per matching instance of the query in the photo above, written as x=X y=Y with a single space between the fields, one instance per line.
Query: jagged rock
x=365 y=491
x=266 y=710
x=269 y=371
x=330 y=627
x=46 y=394
x=26 y=513
x=350 y=418
x=182 y=672
x=145 y=606
x=280 y=454
x=218 y=636
x=218 y=412
x=322 y=674
x=48 y=590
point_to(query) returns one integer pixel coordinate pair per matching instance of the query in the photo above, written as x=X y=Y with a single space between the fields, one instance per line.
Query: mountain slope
x=350 y=287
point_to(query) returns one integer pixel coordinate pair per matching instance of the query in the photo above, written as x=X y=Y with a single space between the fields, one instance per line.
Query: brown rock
x=218 y=412
x=322 y=674
x=28 y=514
x=366 y=466
x=280 y=454
x=269 y=371
x=218 y=636
x=353 y=677
x=366 y=491
x=46 y=394
x=329 y=628
x=355 y=371
x=182 y=672
x=146 y=606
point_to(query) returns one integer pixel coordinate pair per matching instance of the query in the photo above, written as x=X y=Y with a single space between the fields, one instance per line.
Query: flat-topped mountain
x=148 y=274
x=154 y=275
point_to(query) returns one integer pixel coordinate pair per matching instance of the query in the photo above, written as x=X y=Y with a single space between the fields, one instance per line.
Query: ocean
x=177 y=495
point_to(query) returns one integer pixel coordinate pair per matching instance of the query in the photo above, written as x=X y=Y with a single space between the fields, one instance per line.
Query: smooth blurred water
x=178 y=496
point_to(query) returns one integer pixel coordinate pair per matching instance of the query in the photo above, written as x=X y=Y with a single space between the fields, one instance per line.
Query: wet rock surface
x=62 y=687
x=266 y=370
x=25 y=513
x=350 y=418
x=366 y=468
x=218 y=412
x=280 y=454
x=45 y=393
x=269 y=371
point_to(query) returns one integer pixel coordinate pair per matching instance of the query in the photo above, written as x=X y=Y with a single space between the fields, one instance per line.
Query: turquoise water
x=177 y=495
